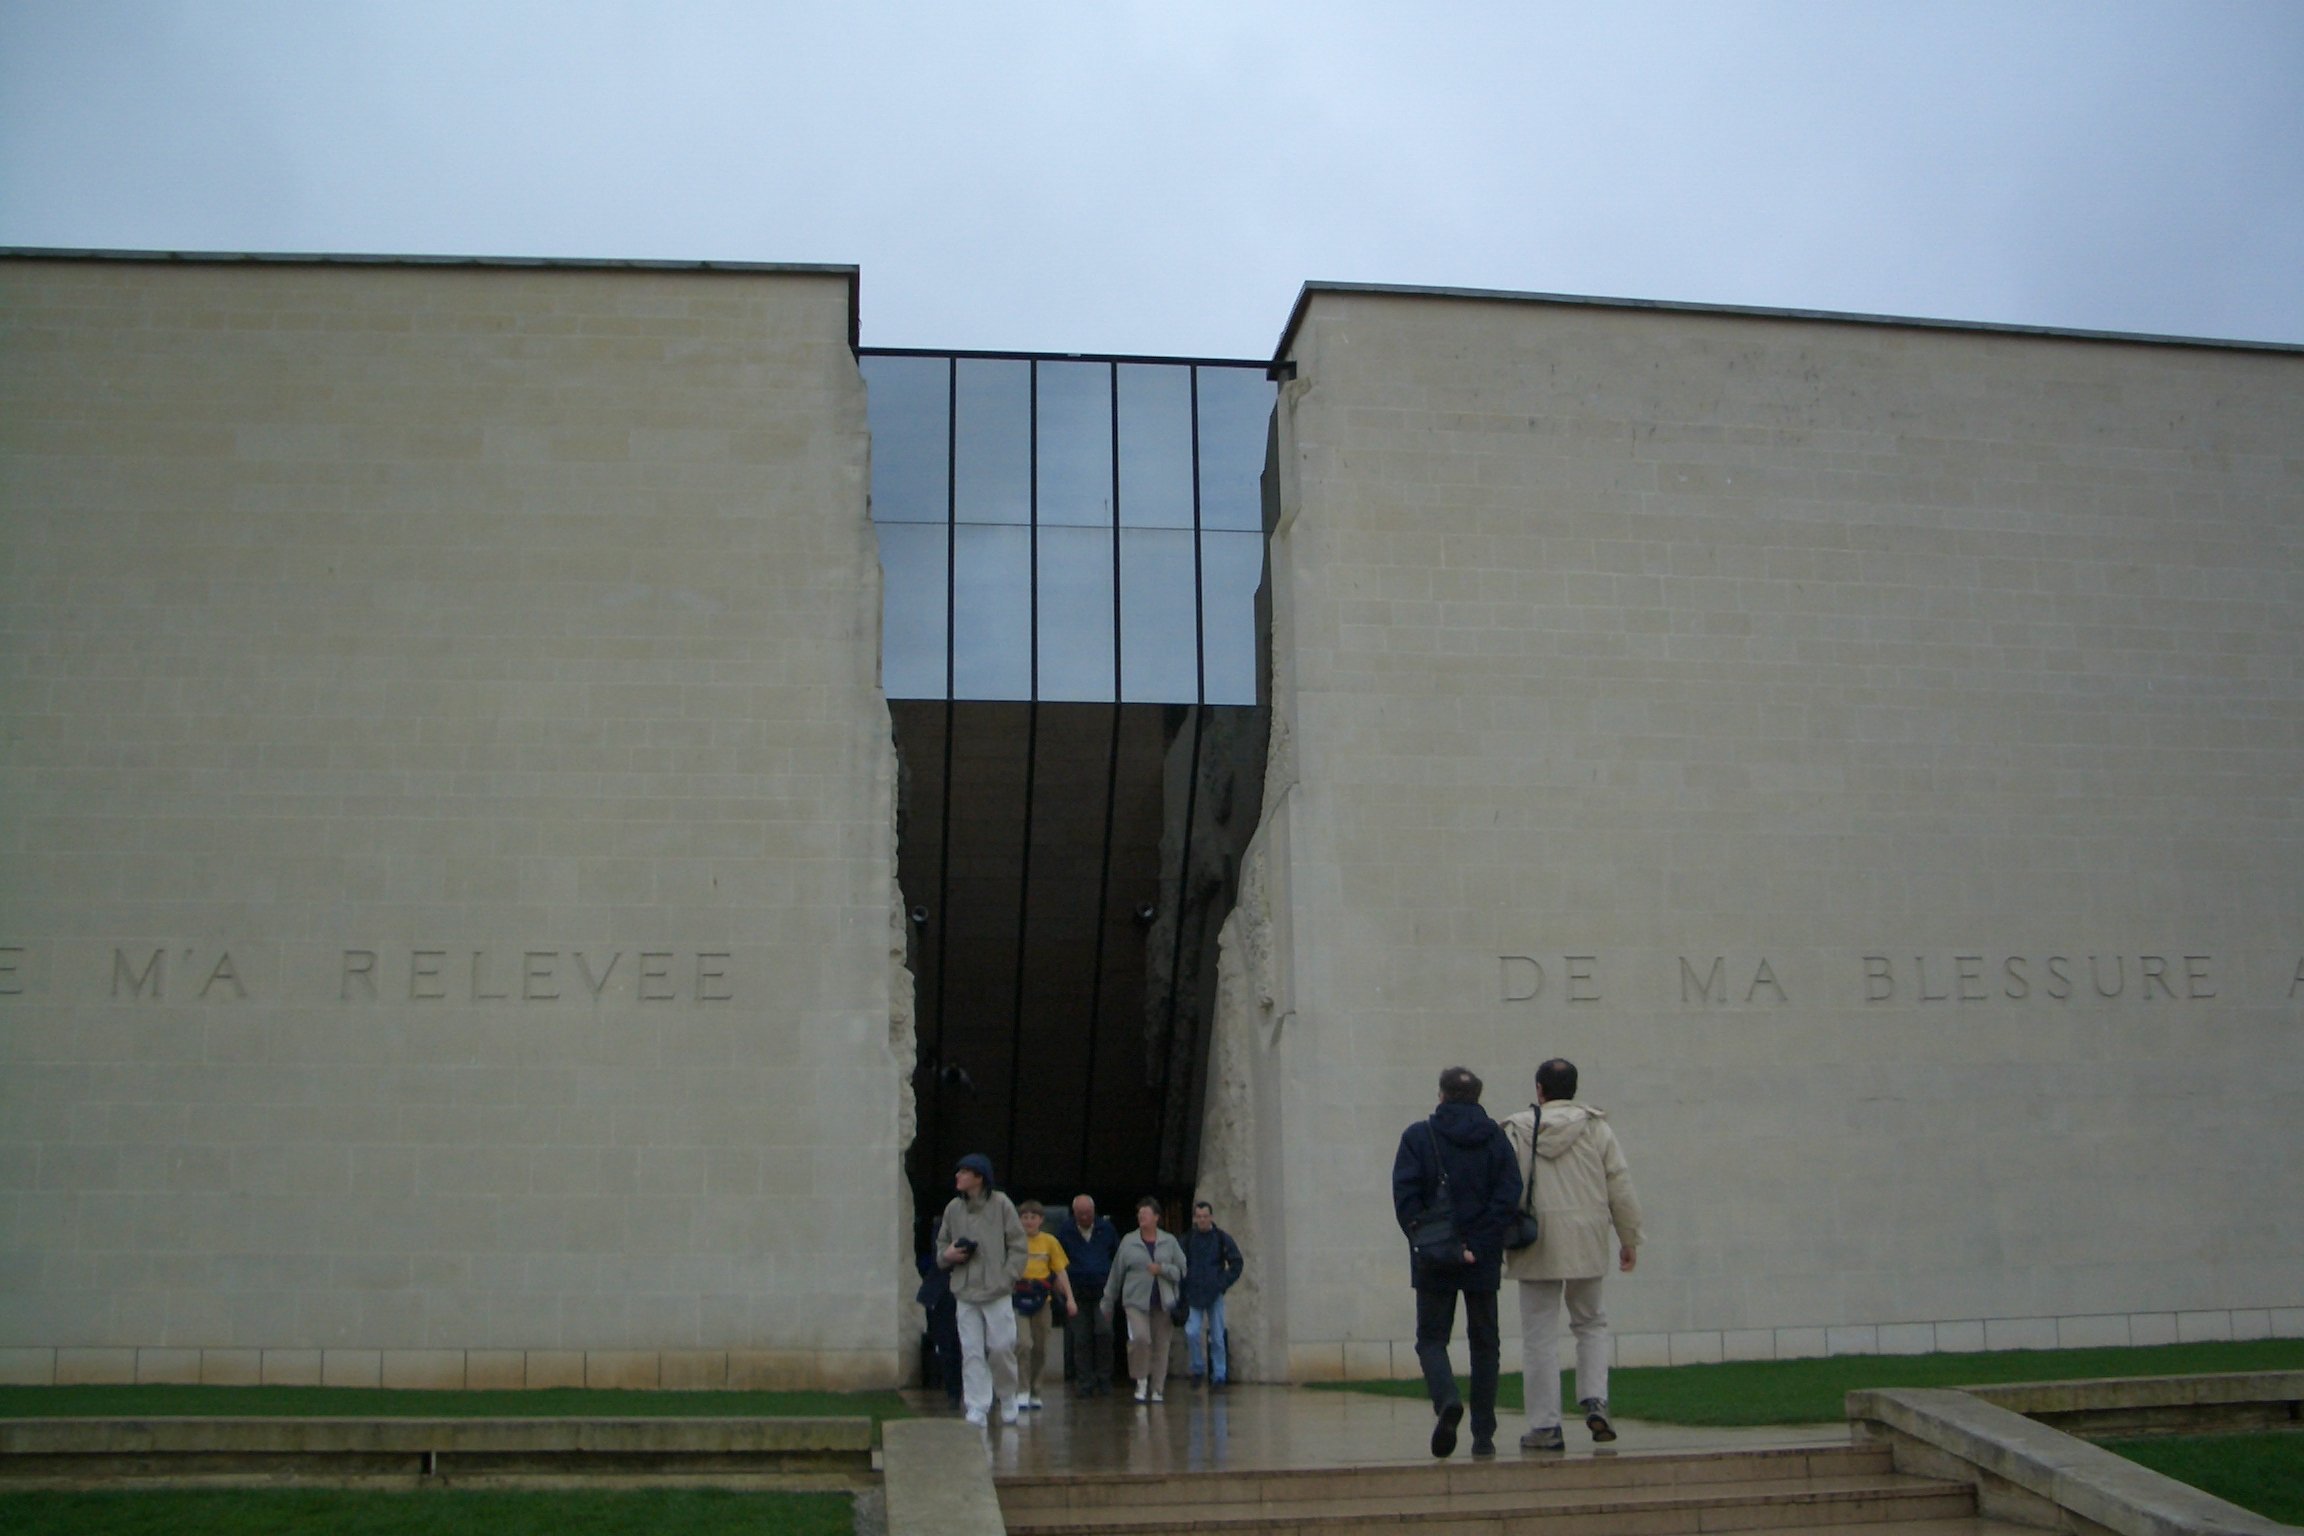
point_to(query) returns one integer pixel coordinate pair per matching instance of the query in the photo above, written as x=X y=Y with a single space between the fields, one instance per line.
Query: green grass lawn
x=2264 y=1473
x=340 y=1512
x=371 y=1402
x=1811 y=1391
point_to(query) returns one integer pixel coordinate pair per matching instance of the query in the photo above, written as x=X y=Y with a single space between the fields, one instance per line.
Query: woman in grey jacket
x=1147 y=1278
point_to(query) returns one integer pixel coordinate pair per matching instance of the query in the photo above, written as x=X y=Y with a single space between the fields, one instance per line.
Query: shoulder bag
x=1432 y=1236
x=1525 y=1230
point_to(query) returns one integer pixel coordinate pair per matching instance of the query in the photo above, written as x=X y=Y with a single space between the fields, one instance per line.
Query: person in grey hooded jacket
x=980 y=1243
x=1582 y=1193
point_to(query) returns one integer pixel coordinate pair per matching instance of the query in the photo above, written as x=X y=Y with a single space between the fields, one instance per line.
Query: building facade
x=464 y=830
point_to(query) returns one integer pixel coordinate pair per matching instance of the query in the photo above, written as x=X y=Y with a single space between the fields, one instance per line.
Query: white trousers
x=1540 y=1307
x=987 y=1357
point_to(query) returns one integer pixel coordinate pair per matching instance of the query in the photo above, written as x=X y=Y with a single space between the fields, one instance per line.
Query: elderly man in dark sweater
x=1089 y=1242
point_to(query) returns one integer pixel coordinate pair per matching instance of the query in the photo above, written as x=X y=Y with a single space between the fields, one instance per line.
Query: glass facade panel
x=1158 y=660
x=995 y=453
x=1076 y=444
x=912 y=557
x=992 y=612
x=992 y=453
x=908 y=406
x=1155 y=445
x=1231 y=569
x=1235 y=410
x=1076 y=614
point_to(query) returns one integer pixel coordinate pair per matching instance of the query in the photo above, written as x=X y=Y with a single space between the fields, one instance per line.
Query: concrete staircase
x=1816 y=1491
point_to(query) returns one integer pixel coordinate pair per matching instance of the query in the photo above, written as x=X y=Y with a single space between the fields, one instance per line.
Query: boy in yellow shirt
x=1036 y=1294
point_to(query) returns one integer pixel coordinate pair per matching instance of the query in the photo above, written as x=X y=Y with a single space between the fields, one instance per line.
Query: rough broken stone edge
x=2101 y=1489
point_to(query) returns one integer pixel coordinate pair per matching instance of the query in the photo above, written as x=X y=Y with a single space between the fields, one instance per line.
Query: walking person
x=980 y=1244
x=1039 y=1293
x=1089 y=1242
x=1147 y=1277
x=1583 y=1197
x=1456 y=1164
x=1212 y=1262
x=935 y=1297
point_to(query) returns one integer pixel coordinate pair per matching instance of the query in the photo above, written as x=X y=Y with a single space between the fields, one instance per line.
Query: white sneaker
x=976 y=1417
x=1029 y=1400
x=1156 y=1397
x=1008 y=1414
x=1143 y=1389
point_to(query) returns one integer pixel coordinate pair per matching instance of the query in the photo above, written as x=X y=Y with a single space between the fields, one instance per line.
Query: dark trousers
x=1088 y=1341
x=1435 y=1323
x=944 y=1344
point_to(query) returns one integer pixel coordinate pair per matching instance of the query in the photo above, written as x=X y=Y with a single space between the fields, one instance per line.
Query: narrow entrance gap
x=1154 y=829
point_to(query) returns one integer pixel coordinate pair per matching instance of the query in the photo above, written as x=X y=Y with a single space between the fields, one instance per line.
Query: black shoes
x=1444 y=1432
x=1481 y=1447
x=1596 y=1420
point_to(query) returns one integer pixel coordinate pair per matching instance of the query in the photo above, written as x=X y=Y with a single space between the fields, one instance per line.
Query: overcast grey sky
x=1162 y=177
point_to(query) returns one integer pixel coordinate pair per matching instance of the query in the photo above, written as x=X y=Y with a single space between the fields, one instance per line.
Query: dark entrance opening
x=1067 y=867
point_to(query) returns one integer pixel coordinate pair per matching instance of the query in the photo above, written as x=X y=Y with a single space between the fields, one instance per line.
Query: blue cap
x=978 y=1164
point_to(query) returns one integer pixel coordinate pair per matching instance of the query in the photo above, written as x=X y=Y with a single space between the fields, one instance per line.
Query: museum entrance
x=1073 y=551
x=1066 y=868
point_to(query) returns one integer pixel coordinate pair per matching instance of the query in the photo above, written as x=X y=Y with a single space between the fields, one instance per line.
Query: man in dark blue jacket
x=1089 y=1242
x=1459 y=1142
x=1212 y=1262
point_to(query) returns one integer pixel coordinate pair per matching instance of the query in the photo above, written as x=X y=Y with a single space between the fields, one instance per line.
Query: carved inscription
x=169 y=973
x=2058 y=978
x=1525 y=978
x=1757 y=981
x=143 y=975
x=535 y=976
x=1712 y=986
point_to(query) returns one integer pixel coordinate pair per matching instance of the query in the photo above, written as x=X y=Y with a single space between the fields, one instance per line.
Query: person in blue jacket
x=1483 y=1189
x=1213 y=1262
x=1089 y=1242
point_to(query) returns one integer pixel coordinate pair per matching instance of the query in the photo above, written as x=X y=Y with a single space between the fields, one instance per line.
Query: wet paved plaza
x=1269 y=1428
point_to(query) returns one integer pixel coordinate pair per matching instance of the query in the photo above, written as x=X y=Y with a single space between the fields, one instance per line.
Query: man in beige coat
x=1582 y=1191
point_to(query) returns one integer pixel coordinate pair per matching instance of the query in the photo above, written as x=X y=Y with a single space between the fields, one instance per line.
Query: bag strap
x=1528 y=1185
x=1442 y=1196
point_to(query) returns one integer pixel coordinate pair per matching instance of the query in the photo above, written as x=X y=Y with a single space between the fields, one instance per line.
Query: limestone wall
x=1869 y=752
x=446 y=868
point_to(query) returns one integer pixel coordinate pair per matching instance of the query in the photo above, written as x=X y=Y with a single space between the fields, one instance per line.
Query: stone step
x=1660 y=1509
x=1433 y=1479
x=415 y=1452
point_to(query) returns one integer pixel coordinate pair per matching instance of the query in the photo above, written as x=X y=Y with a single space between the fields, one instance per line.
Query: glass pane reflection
x=1235 y=410
x=1157 y=660
x=1231 y=568
x=992 y=612
x=992 y=450
x=912 y=610
x=1076 y=444
x=907 y=401
x=1076 y=614
x=1155 y=446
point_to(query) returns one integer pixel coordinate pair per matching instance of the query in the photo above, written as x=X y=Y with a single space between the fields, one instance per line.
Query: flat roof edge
x=849 y=271
x=1305 y=296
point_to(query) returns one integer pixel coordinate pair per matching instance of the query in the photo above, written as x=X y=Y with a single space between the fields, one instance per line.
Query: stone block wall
x=446 y=871
x=1869 y=751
